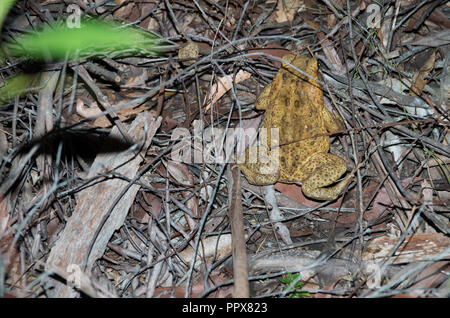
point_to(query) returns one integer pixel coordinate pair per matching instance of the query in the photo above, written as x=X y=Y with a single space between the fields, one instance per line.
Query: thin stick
x=240 y=267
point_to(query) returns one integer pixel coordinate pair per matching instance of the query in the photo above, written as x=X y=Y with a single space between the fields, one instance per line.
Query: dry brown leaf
x=103 y=121
x=179 y=172
x=423 y=71
x=386 y=27
x=169 y=122
x=430 y=277
x=125 y=10
x=380 y=203
x=86 y=112
x=149 y=202
x=208 y=247
x=433 y=39
x=415 y=248
x=100 y=6
x=423 y=15
x=331 y=54
x=294 y=192
x=222 y=86
x=135 y=77
x=286 y=10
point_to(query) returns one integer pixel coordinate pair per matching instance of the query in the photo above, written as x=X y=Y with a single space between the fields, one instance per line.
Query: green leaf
x=18 y=85
x=285 y=280
x=5 y=5
x=293 y=289
x=93 y=38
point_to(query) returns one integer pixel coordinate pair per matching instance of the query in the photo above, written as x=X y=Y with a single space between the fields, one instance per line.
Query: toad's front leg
x=260 y=166
x=322 y=170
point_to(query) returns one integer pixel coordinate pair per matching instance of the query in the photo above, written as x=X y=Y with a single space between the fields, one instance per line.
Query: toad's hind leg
x=323 y=169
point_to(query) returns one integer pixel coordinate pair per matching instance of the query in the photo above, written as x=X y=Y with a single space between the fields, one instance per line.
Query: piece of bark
x=418 y=247
x=94 y=203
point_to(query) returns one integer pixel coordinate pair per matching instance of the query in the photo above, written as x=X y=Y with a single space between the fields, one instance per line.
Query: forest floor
x=117 y=176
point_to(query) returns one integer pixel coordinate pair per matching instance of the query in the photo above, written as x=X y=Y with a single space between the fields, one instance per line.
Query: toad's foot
x=323 y=169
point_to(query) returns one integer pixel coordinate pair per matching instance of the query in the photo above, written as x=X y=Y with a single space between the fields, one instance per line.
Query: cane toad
x=293 y=103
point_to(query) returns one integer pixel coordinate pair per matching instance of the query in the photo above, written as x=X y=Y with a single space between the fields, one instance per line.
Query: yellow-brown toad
x=293 y=104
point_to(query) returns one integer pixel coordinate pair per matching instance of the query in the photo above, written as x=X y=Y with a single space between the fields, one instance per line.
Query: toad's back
x=294 y=105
